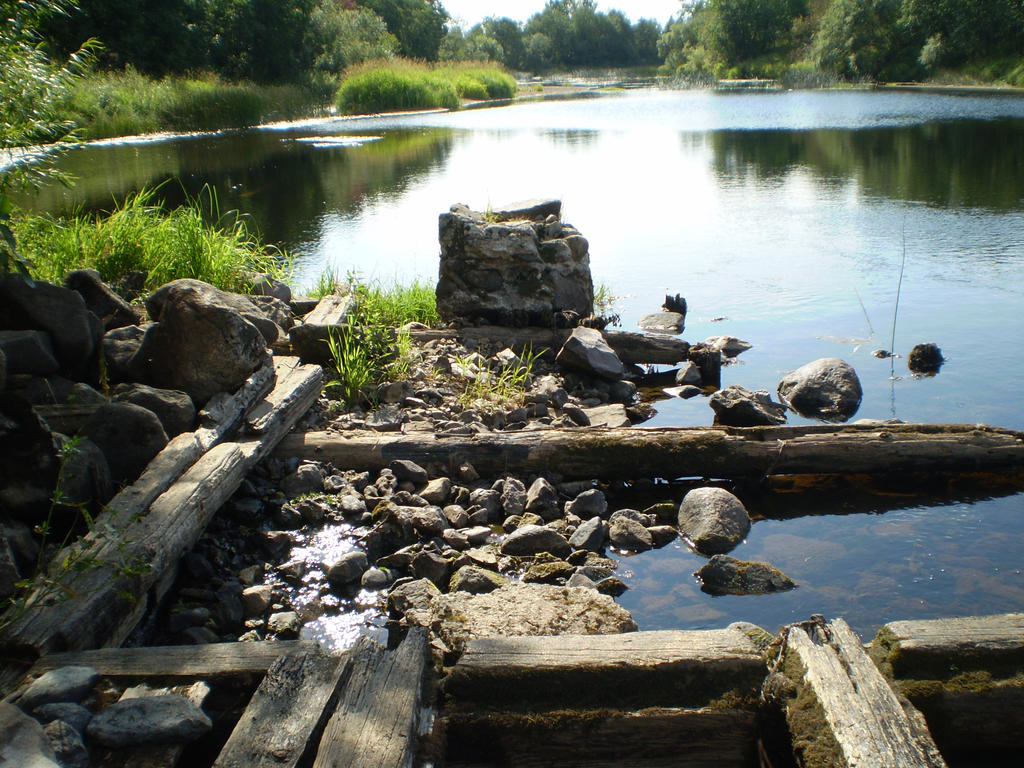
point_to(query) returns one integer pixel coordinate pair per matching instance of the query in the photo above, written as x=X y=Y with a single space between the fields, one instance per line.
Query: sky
x=469 y=12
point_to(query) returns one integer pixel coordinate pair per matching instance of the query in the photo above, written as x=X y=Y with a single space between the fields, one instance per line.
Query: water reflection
x=949 y=164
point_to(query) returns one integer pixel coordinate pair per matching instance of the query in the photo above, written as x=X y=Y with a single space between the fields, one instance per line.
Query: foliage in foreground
x=194 y=241
x=400 y=84
x=372 y=347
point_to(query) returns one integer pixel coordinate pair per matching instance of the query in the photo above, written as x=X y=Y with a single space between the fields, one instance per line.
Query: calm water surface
x=782 y=218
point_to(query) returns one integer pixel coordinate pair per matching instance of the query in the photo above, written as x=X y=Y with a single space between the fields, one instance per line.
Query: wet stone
x=285 y=624
x=150 y=720
x=629 y=535
x=73 y=714
x=65 y=684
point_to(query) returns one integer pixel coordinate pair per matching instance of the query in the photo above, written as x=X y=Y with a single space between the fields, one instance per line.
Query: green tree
x=645 y=41
x=740 y=30
x=554 y=22
x=961 y=30
x=683 y=44
x=258 y=39
x=857 y=38
x=472 y=46
x=509 y=35
x=419 y=25
x=340 y=35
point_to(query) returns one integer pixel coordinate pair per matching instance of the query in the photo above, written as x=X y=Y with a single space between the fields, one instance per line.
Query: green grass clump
x=400 y=84
x=502 y=387
x=193 y=241
x=125 y=103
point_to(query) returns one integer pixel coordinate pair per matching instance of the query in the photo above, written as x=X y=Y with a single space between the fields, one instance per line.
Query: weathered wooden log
x=129 y=564
x=66 y=418
x=965 y=674
x=630 y=347
x=309 y=338
x=378 y=720
x=216 y=660
x=634 y=670
x=718 y=452
x=844 y=714
x=287 y=714
x=683 y=738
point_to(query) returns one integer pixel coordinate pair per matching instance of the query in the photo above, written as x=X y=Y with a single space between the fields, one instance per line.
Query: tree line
x=854 y=39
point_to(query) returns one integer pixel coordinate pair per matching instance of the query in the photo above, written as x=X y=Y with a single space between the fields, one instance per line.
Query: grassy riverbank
x=108 y=104
x=400 y=84
x=196 y=241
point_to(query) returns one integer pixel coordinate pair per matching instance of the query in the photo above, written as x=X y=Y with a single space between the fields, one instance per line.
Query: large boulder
x=60 y=311
x=169 y=719
x=23 y=742
x=120 y=345
x=519 y=267
x=28 y=461
x=129 y=436
x=28 y=352
x=520 y=608
x=826 y=389
x=111 y=309
x=201 y=344
x=736 y=406
x=205 y=294
x=713 y=519
x=586 y=350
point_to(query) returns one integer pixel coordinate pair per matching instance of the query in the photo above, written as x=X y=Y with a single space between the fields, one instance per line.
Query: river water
x=783 y=218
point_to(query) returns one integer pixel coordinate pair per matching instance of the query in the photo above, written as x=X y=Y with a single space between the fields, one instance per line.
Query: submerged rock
x=826 y=389
x=713 y=519
x=727 y=575
x=925 y=359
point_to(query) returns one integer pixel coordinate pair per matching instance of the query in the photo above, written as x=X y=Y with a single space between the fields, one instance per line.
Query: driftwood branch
x=687 y=452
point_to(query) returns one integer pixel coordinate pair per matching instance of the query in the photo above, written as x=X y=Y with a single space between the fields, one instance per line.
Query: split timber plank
x=654 y=738
x=377 y=722
x=862 y=714
x=634 y=670
x=107 y=601
x=288 y=712
x=630 y=347
x=309 y=338
x=965 y=674
x=719 y=452
x=216 y=660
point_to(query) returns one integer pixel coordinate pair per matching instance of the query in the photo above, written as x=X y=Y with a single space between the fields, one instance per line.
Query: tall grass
x=125 y=103
x=401 y=84
x=502 y=387
x=194 y=240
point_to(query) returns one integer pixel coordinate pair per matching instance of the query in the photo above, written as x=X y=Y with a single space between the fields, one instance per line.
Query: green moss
x=814 y=746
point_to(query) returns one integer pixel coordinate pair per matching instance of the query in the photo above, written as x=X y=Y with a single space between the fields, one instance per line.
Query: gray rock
x=120 y=346
x=275 y=310
x=175 y=409
x=84 y=476
x=735 y=406
x=590 y=535
x=662 y=535
x=28 y=352
x=129 y=436
x=351 y=505
x=632 y=514
x=256 y=600
x=203 y=342
x=826 y=389
x=663 y=322
x=624 y=392
x=549 y=387
x=542 y=500
x=429 y=522
x=488 y=500
x=533 y=539
x=580 y=581
x=198 y=636
x=513 y=496
x=527 y=609
x=475 y=580
x=181 y=619
x=265 y=285
x=285 y=624
x=432 y=566
x=307 y=478
x=374 y=579
x=516 y=273
x=348 y=568
x=587 y=351
x=386 y=418
x=629 y=535
x=74 y=331
x=477 y=535
x=412 y=596
x=688 y=374
x=111 y=309
x=729 y=346
x=64 y=684
x=23 y=743
x=713 y=519
x=456 y=515
x=613 y=415
x=409 y=470
x=437 y=491
x=67 y=745
x=726 y=575
x=528 y=210
x=587 y=504
x=73 y=714
x=925 y=359
x=169 y=719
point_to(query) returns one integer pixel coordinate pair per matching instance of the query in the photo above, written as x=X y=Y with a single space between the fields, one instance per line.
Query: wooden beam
x=377 y=722
x=634 y=670
x=718 y=452
x=288 y=712
x=132 y=557
x=845 y=715
x=309 y=338
x=216 y=660
x=965 y=674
